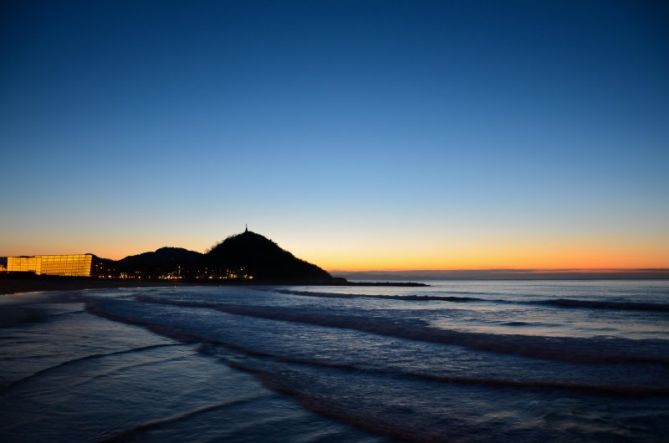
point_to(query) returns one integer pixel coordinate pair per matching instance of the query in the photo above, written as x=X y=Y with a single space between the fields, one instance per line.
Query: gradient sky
x=357 y=134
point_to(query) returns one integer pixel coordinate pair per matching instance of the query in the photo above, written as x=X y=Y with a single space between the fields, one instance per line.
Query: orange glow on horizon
x=494 y=268
x=582 y=259
x=493 y=251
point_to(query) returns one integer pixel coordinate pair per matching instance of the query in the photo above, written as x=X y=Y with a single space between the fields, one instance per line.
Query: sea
x=455 y=361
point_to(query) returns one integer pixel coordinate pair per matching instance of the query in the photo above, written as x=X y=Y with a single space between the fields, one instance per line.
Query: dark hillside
x=252 y=254
x=162 y=261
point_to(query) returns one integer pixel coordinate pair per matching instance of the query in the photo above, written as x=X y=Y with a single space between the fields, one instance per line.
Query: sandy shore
x=11 y=286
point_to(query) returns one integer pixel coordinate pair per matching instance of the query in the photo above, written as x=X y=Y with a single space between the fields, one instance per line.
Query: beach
x=455 y=361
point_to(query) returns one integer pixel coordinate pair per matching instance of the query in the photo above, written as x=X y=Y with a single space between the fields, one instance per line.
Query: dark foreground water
x=457 y=361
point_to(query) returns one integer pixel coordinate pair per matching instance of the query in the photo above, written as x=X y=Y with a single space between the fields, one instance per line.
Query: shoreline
x=21 y=285
x=18 y=286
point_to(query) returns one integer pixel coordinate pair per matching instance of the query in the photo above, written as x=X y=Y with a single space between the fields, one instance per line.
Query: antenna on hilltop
x=247 y=228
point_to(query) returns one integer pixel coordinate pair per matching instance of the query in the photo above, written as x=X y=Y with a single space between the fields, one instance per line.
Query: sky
x=360 y=135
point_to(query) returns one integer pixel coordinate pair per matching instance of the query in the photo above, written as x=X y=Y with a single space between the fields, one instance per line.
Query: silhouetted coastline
x=242 y=258
x=34 y=283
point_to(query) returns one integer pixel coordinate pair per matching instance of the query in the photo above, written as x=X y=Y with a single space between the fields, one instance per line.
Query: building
x=78 y=265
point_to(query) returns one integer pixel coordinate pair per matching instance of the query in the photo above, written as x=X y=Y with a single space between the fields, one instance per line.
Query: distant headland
x=245 y=258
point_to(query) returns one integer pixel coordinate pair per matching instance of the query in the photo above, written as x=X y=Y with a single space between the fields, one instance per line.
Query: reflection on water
x=456 y=361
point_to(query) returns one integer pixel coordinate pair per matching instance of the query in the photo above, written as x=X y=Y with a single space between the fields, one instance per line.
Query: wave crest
x=569 y=349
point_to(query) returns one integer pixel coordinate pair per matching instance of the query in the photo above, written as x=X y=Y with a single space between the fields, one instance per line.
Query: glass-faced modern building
x=78 y=265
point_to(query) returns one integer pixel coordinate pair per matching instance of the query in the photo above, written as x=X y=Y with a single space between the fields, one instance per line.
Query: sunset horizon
x=356 y=221
x=421 y=258
x=410 y=144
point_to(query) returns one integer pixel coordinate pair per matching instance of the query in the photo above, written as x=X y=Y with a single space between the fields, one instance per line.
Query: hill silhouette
x=162 y=261
x=252 y=254
x=243 y=257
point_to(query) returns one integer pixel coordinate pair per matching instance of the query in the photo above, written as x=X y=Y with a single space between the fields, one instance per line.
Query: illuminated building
x=66 y=265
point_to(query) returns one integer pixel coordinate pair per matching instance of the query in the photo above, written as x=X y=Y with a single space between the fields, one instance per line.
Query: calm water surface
x=456 y=361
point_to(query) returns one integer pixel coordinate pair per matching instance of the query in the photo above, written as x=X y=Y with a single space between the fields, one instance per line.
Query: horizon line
x=505 y=270
x=512 y=270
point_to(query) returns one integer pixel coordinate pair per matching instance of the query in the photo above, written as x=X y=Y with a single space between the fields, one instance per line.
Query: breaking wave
x=210 y=345
x=593 y=389
x=387 y=297
x=558 y=303
x=569 y=349
x=613 y=305
x=493 y=364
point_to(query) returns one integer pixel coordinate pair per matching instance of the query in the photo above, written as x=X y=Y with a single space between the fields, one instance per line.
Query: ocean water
x=456 y=361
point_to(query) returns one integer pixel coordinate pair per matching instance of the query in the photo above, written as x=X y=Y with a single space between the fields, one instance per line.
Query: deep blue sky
x=362 y=134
